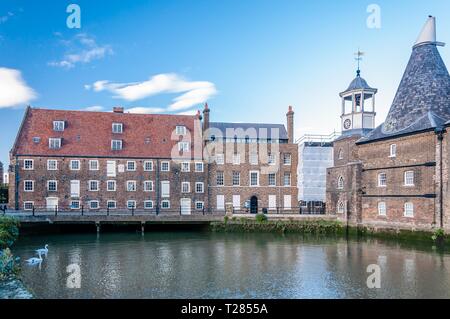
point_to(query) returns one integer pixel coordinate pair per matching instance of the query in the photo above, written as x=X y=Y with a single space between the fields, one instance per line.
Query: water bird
x=43 y=251
x=34 y=260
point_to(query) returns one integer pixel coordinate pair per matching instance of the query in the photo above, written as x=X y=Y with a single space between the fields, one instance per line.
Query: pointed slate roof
x=358 y=83
x=423 y=98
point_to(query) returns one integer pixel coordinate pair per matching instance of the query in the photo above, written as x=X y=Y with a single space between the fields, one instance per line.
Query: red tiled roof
x=90 y=133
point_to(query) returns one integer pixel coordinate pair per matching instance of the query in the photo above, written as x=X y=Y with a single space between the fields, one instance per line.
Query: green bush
x=9 y=231
x=260 y=218
x=9 y=265
x=3 y=194
x=438 y=235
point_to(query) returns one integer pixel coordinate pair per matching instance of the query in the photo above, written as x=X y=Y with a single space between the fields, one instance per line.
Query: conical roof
x=358 y=83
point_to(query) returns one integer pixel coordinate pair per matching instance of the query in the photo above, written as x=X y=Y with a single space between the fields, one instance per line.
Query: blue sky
x=249 y=59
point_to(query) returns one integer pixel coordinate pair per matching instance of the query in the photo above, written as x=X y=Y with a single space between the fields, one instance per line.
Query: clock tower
x=358 y=105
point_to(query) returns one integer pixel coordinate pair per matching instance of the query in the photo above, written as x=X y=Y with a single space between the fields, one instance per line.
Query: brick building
x=396 y=175
x=1 y=173
x=97 y=161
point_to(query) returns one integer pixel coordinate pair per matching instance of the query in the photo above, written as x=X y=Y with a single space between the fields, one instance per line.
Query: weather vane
x=358 y=58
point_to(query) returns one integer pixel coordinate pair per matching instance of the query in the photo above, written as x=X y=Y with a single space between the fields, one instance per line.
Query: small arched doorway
x=254 y=205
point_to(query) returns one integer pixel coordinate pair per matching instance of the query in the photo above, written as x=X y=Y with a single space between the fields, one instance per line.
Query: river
x=202 y=264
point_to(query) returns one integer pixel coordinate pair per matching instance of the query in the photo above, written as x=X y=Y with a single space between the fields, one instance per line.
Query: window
x=237 y=202
x=131 y=204
x=254 y=158
x=28 y=205
x=271 y=159
x=185 y=187
x=382 y=180
x=199 y=187
x=94 y=204
x=236 y=178
x=93 y=165
x=409 y=178
x=148 y=204
x=75 y=204
x=28 y=186
x=28 y=164
x=165 y=166
x=272 y=202
x=272 y=179
x=54 y=143
x=52 y=186
x=131 y=166
x=52 y=165
x=341 y=154
x=183 y=146
x=382 y=208
x=341 y=208
x=148 y=166
x=58 y=126
x=75 y=165
x=111 y=186
x=111 y=168
x=131 y=186
x=165 y=189
x=393 y=150
x=75 y=189
x=165 y=204
x=287 y=159
x=93 y=186
x=199 y=167
x=220 y=201
x=236 y=159
x=111 y=204
x=340 y=182
x=116 y=145
x=220 y=159
x=148 y=186
x=409 y=210
x=185 y=167
x=181 y=130
x=254 y=178
x=199 y=205
x=287 y=179
x=117 y=128
x=219 y=179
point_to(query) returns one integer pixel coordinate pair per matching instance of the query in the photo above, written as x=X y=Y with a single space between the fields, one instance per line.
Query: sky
x=249 y=59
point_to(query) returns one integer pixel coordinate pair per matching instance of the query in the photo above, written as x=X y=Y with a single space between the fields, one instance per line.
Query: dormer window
x=181 y=130
x=183 y=146
x=393 y=150
x=58 y=126
x=54 y=143
x=117 y=128
x=116 y=145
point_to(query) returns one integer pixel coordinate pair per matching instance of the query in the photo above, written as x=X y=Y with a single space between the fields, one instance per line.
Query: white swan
x=34 y=260
x=43 y=251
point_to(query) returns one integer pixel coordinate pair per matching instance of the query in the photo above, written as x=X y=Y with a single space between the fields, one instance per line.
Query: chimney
x=118 y=109
x=290 y=124
x=206 y=118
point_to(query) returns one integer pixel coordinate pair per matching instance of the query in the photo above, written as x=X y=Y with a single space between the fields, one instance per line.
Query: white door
x=237 y=202
x=272 y=202
x=220 y=202
x=287 y=202
x=185 y=206
x=111 y=169
x=52 y=203
x=75 y=189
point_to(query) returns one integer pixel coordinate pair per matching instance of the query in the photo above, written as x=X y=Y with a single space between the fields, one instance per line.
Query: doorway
x=254 y=205
x=52 y=203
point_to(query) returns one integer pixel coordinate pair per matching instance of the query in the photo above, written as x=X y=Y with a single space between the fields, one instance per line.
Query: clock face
x=347 y=124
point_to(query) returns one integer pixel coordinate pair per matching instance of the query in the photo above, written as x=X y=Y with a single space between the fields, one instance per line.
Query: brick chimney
x=290 y=124
x=118 y=109
x=206 y=117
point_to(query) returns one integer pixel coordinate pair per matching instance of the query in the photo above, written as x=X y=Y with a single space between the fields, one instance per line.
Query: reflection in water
x=208 y=265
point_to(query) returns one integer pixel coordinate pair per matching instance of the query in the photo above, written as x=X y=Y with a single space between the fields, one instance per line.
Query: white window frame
x=220 y=159
x=73 y=194
x=116 y=145
x=89 y=185
x=287 y=159
x=197 y=164
x=107 y=185
x=183 y=184
x=408 y=180
x=52 y=141
x=150 y=169
x=52 y=161
x=220 y=173
x=180 y=130
x=110 y=202
x=91 y=162
x=75 y=161
x=284 y=179
x=253 y=158
x=131 y=183
x=199 y=202
x=341 y=154
x=202 y=185
x=25 y=188
x=382 y=182
x=25 y=164
x=274 y=179
x=165 y=201
x=134 y=204
x=250 y=178
x=184 y=146
x=146 y=202
x=58 y=129
x=115 y=126
x=408 y=210
x=340 y=183
x=75 y=201
x=163 y=183
x=48 y=185
x=237 y=159
x=393 y=150
x=111 y=168
x=271 y=159
x=233 y=180
x=340 y=207
x=382 y=209
x=146 y=189
x=185 y=167
x=134 y=166
x=26 y=203
x=168 y=166
x=94 y=201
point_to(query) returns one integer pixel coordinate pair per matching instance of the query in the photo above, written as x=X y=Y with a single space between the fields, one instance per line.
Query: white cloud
x=190 y=112
x=6 y=17
x=13 y=89
x=82 y=49
x=194 y=92
x=145 y=110
x=95 y=108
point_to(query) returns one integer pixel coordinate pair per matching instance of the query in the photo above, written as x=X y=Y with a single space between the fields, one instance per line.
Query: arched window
x=341 y=208
x=341 y=154
x=340 y=182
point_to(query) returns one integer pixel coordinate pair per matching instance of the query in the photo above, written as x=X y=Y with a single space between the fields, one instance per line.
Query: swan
x=34 y=260
x=43 y=251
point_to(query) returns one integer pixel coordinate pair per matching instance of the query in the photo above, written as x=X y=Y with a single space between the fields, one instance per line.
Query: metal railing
x=300 y=210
